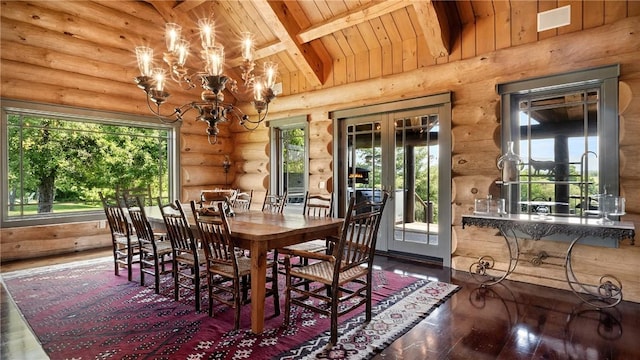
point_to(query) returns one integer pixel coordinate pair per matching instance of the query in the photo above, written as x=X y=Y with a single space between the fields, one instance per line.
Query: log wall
x=476 y=137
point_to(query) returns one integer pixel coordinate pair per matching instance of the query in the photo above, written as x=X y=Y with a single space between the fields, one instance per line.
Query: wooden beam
x=171 y=11
x=435 y=27
x=261 y=53
x=187 y=5
x=351 y=18
x=285 y=27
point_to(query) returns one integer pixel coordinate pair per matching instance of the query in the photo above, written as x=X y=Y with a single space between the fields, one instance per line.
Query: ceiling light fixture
x=212 y=109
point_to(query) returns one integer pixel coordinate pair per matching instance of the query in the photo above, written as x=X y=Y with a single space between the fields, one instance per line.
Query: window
x=565 y=130
x=58 y=159
x=289 y=159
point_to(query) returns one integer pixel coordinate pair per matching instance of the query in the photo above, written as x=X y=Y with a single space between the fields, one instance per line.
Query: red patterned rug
x=83 y=311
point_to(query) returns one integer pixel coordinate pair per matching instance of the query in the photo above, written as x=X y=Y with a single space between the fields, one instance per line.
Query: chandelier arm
x=175 y=116
x=254 y=124
x=165 y=118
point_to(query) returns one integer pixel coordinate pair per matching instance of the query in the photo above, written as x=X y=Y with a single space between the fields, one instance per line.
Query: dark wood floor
x=511 y=320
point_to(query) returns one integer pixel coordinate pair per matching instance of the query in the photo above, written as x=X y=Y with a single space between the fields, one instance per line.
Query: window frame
x=605 y=78
x=74 y=113
x=276 y=183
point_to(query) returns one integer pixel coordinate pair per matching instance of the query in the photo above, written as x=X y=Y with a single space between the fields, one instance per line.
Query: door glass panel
x=416 y=180
x=293 y=168
x=364 y=161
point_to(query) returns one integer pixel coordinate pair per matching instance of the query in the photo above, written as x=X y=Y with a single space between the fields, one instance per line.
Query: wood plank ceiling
x=306 y=37
x=317 y=44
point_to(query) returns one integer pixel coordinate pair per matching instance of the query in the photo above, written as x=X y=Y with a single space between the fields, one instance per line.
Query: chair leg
x=129 y=263
x=176 y=281
x=141 y=271
x=369 y=290
x=287 y=293
x=238 y=307
x=157 y=272
x=334 y=316
x=210 y=280
x=275 y=289
x=197 y=283
x=115 y=261
x=245 y=288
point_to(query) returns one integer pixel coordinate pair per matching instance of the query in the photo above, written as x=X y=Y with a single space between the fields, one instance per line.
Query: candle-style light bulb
x=172 y=33
x=159 y=78
x=182 y=51
x=207 y=38
x=270 y=73
x=144 y=55
x=247 y=46
x=257 y=89
x=215 y=60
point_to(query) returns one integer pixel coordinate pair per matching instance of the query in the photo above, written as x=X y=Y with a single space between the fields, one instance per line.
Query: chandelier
x=212 y=109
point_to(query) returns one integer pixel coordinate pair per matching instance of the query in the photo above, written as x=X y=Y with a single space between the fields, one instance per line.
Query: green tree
x=73 y=160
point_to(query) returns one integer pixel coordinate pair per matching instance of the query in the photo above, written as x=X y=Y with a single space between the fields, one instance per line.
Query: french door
x=408 y=154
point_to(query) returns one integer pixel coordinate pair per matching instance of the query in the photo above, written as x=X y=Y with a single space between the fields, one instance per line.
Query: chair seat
x=309 y=246
x=244 y=267
x=322 y=271
x=162 y=247
x=122 y=240
x=189 y=259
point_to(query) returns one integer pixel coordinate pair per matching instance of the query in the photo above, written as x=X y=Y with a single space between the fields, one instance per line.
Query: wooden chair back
x=243 y=200
x=130 y=194
x=357 y=242
x=318 y=205
x=211 y=197
x=215 y=235
x=118 y=223
x=178 y=230
x=274 y=203
x=139 y=220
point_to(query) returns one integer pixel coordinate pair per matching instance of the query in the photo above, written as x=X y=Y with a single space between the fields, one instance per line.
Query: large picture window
x=56 y=163
x=564 y=128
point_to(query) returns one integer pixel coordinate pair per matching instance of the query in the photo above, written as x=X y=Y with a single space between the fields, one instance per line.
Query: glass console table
x=606 y=293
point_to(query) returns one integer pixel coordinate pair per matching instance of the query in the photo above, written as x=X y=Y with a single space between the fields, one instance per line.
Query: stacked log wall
x=476 y=138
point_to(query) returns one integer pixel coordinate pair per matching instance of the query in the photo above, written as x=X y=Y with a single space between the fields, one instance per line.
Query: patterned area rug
x=83 y=311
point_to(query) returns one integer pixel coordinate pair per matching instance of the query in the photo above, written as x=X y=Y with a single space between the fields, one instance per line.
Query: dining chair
x=132 y=193
x=155 y=248
x=210 y=197
x=189 y=263
x=346 y=273
x=274 y=203
x=317 y=206
x=228 y=270
x=242 y=200
x=126 y=247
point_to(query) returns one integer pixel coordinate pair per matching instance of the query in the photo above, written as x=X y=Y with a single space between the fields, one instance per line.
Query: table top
x=260 y=226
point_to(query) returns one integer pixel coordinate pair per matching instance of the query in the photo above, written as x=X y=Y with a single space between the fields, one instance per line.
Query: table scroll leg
x=478 y=270
x=607 y=293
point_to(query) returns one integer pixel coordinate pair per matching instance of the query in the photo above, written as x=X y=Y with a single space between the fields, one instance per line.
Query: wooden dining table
x=259 y=233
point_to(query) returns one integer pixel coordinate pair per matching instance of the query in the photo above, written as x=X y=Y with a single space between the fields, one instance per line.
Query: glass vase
x=509 y=163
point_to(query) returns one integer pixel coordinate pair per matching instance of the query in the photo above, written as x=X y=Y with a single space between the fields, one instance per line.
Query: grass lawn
x=32 y=209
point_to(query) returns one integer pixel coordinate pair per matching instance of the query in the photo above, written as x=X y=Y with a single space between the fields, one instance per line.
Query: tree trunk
x=46 y=193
